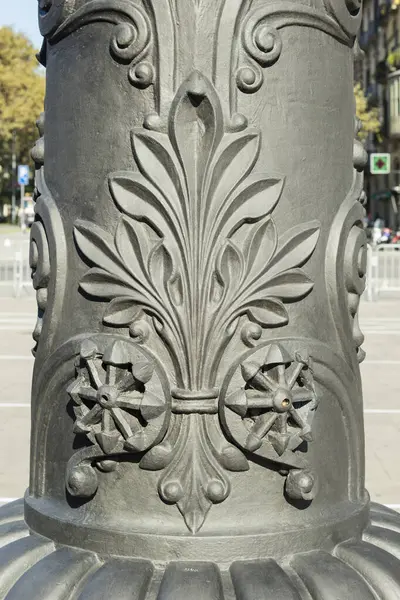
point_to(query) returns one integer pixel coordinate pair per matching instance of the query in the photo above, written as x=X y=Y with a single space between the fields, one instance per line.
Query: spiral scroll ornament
x=39 y=254
x=39 y=260
x=48 y=255
x=346 y=265
x=261 y=33
x=355 y=254
x=130 y=41
x=355 y=269
x=263 y=44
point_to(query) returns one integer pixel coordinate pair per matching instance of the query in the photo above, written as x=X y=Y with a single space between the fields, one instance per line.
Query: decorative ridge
x=130 y=42
x=339 y=18
x=261 y=38
x=112 y=11
x=194 y=394
x=195 y=261
x=137 y=31
x=193 y=401
x=369 y=567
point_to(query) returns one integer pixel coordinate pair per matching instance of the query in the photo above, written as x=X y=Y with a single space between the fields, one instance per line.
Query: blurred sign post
x=23 y=180
x=380 y=163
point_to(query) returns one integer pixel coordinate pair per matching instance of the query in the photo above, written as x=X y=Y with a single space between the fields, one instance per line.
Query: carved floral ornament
x=195 y=262
x=134 y=41
x=194 y=269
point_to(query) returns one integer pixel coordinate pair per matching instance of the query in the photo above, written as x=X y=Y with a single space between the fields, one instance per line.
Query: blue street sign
x=23 y=175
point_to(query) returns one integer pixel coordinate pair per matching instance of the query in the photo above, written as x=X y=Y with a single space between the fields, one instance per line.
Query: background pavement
x=380 y=321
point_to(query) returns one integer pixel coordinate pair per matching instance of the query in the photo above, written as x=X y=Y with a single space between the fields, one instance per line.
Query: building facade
x=377 y=68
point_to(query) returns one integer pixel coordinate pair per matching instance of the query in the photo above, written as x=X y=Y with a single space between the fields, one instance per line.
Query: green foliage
x=22 y=88
x=393 y=60
x=369 y=117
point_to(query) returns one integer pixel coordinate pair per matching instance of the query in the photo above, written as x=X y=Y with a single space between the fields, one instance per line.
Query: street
x=381 y=325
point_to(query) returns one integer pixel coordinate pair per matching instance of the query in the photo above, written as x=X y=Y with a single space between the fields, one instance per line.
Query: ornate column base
x=33 y=567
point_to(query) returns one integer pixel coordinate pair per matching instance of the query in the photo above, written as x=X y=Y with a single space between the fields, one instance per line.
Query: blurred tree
x=22 y=87
x=369 y=117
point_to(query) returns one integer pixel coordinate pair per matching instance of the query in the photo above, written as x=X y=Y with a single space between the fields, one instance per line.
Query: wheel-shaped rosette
x=118 y=404
x=268 y=409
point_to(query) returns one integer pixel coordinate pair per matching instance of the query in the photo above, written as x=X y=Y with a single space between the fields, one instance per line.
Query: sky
x=22 y=15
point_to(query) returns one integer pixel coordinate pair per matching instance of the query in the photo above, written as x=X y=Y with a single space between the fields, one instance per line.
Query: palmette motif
x=195 y=267
x=195 y=260
x=179 y=359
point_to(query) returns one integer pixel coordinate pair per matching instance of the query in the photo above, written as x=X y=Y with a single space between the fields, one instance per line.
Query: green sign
x=380 y=163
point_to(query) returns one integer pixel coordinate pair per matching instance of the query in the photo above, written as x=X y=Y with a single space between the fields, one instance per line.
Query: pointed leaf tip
x=296 y=247
x=194 y=520
x=108 y=441
x=230 y=264
x=160 y=265
x=260 y=246
x=122 y=311
x=103 y=284
x=268 y=312
x=289 y=285
x=253 y=200
x=176 y=289
x=97 y=245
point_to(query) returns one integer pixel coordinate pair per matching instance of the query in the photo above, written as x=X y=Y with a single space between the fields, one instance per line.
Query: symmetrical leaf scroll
x=196 y=252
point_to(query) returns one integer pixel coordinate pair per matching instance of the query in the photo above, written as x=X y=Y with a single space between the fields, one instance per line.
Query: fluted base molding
x=34 y=567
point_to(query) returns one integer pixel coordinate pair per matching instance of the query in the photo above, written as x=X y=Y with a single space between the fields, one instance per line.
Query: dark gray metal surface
x=199 y=257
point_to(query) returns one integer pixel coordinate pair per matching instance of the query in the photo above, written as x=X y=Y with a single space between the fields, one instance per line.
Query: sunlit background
x=22 y=16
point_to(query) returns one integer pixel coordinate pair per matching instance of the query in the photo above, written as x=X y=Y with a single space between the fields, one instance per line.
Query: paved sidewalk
x=380 y=322
x=380 y=371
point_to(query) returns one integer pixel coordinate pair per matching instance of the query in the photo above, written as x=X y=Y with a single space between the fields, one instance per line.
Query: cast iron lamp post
x=199 y=256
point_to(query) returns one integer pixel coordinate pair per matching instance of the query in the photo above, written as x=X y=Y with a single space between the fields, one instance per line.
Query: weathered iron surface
x=199 y=256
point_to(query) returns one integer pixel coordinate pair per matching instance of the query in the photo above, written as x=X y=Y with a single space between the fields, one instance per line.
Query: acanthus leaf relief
x=196 y=259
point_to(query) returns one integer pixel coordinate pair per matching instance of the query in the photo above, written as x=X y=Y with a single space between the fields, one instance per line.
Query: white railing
x=6 y=272
x=22 y=274
x=388 y=268
x=371 y=279
x=383 y=270
x=15 y=272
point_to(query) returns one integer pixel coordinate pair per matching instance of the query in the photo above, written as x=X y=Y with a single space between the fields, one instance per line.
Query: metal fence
x=22 y=273
x=15 y=273
x=383 y=274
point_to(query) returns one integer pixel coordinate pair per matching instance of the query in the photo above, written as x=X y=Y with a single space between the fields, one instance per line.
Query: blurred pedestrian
x=22 y=219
